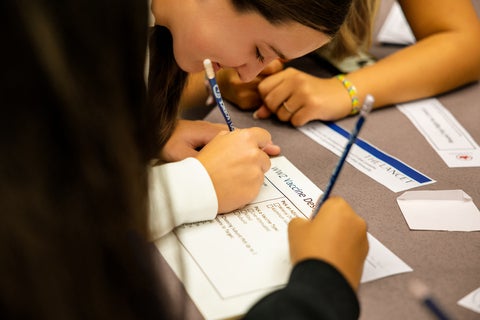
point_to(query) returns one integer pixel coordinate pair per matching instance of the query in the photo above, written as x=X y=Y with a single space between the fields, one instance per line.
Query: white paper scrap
x=446 y=210
x=395 y=29
x=471 y=301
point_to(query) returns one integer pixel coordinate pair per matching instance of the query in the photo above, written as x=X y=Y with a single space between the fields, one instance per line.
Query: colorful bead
x=352 y=92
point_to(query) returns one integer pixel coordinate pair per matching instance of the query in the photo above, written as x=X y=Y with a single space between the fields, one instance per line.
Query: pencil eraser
x=207 y=63
x=368 y=103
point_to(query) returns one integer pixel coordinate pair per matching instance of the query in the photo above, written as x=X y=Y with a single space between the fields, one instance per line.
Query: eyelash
x=259 y=55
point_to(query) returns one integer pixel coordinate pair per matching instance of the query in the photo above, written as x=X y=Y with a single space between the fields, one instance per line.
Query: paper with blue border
x=380 y=166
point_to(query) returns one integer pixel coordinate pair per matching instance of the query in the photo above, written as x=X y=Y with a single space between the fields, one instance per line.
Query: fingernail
x=254 y=115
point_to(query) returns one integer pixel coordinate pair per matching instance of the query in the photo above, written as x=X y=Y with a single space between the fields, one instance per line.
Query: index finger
x=261 y=136
x=273 y=67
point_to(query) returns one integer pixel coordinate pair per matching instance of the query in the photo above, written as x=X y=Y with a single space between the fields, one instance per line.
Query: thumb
x=296 y=224
x=272 y=149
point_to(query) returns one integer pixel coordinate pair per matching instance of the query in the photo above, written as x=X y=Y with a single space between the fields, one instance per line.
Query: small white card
x=444 y=133
x=471 y=301
x=446 y=210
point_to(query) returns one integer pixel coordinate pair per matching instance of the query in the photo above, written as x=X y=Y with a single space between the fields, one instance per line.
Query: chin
x=189 y=65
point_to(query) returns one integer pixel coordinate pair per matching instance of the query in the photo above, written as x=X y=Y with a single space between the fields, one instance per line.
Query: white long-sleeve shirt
x=180 y=192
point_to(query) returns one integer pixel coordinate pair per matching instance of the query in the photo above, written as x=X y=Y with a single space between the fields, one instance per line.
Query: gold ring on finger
x=285 y=106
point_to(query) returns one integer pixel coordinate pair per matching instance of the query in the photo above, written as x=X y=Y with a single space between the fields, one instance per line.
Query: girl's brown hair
x=73 y=180
x=355 y=34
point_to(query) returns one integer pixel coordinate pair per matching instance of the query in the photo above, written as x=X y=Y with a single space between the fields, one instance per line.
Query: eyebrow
x=278 y=53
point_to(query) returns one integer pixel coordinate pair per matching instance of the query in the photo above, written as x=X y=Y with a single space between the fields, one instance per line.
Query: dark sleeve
x=315 y=290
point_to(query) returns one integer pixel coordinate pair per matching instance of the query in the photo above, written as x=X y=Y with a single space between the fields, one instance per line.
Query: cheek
x=183 y=58
x=192 y=49
x=189 y=54
x=187 y=47
x=234 y=51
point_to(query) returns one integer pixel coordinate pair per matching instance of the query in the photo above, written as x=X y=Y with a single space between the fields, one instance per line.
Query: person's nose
x=247 y=72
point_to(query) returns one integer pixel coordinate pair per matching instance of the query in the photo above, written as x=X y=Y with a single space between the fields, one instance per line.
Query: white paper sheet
x=444 y=133
x=447 y=210
x=395 y=29
x=383 y=168
x=471 y=301
x=228 y=263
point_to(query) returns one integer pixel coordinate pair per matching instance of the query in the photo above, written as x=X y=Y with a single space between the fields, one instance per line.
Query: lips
x=216 y=66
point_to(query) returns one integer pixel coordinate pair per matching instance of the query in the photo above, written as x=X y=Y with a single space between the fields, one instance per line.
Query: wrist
x=352 y=93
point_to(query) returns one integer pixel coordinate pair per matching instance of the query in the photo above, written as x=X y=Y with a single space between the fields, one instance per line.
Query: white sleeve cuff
x=180 y=192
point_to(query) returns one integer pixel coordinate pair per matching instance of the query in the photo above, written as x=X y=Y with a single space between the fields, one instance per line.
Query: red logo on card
x=464 y=157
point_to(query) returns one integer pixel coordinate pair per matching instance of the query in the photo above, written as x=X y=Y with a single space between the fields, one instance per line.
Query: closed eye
x=260 y=57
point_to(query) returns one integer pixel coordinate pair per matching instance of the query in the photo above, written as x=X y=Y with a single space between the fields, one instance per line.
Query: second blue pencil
x=367 y=106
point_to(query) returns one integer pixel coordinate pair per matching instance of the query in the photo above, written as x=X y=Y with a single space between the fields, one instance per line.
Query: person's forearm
x=434 y=65
x=315 y=290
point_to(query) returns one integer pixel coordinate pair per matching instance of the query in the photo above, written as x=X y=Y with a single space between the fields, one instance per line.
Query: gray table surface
x=448 y=262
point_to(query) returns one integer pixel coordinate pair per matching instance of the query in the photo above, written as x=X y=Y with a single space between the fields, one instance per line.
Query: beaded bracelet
x=352 y=92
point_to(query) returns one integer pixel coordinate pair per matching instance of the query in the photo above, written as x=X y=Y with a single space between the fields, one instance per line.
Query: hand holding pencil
x=337 y=236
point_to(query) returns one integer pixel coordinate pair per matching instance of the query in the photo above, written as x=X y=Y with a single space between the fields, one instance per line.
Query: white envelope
x=449 y=210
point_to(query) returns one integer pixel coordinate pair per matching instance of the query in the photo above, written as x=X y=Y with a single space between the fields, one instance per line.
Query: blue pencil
x=367 y=106
x=421 y=292
x=216 y=92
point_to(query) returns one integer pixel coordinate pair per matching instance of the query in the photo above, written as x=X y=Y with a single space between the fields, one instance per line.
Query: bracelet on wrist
x=352 y=92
